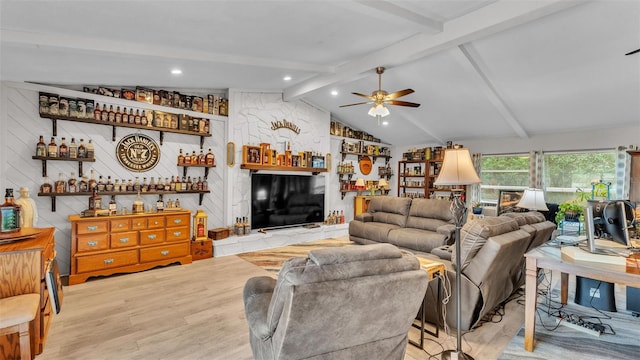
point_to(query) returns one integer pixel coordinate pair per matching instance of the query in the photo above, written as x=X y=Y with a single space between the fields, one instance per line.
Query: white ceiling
x=480 y=69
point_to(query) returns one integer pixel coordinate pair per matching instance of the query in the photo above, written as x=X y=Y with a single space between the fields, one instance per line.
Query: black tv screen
x=279 y=200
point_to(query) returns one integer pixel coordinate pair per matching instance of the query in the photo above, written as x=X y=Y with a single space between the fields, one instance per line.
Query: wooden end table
x=433 y=269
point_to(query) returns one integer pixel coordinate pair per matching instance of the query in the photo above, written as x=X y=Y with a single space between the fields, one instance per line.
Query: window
x=566 y=172
x=503 y=172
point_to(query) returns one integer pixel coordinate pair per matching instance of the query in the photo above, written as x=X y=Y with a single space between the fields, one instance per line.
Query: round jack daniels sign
x=138 y=152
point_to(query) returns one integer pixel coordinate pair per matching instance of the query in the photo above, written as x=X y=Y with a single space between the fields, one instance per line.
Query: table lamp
x=359 y=185
x=457 y=170
x=533 y=199
x=383 y=185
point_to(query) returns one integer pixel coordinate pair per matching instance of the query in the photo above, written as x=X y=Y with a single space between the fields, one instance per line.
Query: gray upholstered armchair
x=355 y=302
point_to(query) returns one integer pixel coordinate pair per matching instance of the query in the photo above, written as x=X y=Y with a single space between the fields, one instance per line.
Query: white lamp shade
x=360 y=183
x=533 y=199
x=457 y=168
x=382 y=183
x=378 y=110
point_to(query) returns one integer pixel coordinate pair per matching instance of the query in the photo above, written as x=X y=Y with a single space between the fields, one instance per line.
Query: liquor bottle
x=136 y=184
x=180 y=155
x=166 y=122
x=130 y=185
x=145 y=185
x=143 y=118
x=174 y=122
x=101 y=184
x=104 y=114
x=187 y=159
x=82 y=150
x=131 y=116
x=194 y=157
x=287 y=155
x=118 y=115
x=116 y=186
x=73 y=149
x=152 y=184
x=95 y=201
x=52 y=149
x=84 y=184
x=205 y=184
x=97 y=114
x=177 y=203
x=109 y=185
x=167 y=185
x=90 y=150
x=41 y=147
x=159 y=203
x=60 y=185
x=138 y=205
x=92 y=181
x=159 y=186
x=246 y=226
x=125 y=116
x=137 y=117
x=188 y=184
x=172 y=184
x=9 y=213
x=184 y=184
x=63 y=150
x=210 y=159
x=113 y=208
x=199 y=184
x=46 y=187
x=201 y=158
x=237 y=226
x=112 y=114
x=72 y=183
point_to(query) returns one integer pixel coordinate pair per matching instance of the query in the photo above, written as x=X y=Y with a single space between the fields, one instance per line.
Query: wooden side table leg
x=564 y=288
x=531 y=299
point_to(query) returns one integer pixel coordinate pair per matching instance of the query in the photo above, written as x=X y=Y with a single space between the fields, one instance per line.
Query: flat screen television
x=281 y=200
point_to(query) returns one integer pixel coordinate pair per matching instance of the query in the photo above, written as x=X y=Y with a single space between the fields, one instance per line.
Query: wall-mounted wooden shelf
x=206 y=168
x=48 y=158
x=255 y=167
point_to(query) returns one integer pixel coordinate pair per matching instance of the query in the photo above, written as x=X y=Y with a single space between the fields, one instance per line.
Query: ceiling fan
x=379 y=98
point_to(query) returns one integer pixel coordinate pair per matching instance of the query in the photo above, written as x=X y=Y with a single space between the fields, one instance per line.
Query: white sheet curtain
x=623 y=173
x=475 y=188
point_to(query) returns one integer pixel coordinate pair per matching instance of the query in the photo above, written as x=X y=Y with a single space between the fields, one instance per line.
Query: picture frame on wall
x=507 y=201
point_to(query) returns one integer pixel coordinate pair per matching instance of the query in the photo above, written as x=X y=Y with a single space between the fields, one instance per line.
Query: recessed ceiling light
x=385 y=123
x=287 y=78
x=334 y=92
x=176 y=71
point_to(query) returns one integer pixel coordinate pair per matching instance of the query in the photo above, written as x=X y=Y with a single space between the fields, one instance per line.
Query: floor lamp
x=457 y=170
x=533 y=199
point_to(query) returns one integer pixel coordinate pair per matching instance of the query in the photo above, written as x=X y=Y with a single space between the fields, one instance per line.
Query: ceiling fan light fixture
x=378 y=110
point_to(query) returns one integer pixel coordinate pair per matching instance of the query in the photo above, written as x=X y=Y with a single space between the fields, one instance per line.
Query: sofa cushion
x=474 y=235
x=416 y=239
x=389 y=210
x=531 y=217
x=371 y=230
x=429 y=213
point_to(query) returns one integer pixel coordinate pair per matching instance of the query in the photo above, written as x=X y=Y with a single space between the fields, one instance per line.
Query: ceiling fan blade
x=398 y=94
x=360 y=103
x=401 y=103
x=364 y=96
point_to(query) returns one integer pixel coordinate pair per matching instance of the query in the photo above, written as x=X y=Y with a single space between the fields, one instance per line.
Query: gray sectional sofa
x=492 y=249
x=419 y=225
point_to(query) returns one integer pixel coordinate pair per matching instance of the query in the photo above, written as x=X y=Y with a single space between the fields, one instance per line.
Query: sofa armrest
x=364 y=217
x=448 y=230
x=257 y=295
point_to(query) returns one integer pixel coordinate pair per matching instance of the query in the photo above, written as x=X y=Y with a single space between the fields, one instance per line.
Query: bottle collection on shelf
x=334 y=218
x=64 y=151
x=55 y=105
x=435 y=153
x=361 y=148
x=266 y=156
x=345 y=168
x=241 y=226
x=74 y=185
x=138 y=206
x=202 y=159
x=339 y=129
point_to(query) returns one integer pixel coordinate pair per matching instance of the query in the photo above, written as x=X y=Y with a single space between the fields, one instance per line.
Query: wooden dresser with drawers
x=102 y=246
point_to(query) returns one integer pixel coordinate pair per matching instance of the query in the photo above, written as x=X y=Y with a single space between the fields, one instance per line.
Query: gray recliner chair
x=354 y=302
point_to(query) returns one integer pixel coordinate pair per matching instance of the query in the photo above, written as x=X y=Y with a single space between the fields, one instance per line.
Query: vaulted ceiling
x=480 y=69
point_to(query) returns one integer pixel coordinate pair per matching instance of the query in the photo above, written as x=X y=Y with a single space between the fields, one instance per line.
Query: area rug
x=272 y=259
x=620 y=340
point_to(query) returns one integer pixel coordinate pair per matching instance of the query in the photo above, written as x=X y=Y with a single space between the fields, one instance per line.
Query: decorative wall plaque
x=138 y=152
x=284 y=124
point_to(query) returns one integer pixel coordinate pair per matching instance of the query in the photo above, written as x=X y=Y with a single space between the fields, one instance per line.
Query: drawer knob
x=177 y=221
x=120 y=225
x=92 y=243
x=108 y=261
x=152 y=236
x=177 y=233
x=164 y=252
x=124 y=240
x=155 y=223
x=92 y=228
x=139 y=224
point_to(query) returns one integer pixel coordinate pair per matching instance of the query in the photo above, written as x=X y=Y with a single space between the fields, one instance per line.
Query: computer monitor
x=618 y=216
x=597 y=207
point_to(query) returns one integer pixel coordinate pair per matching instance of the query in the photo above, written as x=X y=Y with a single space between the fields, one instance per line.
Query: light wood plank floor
x=196 y=312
